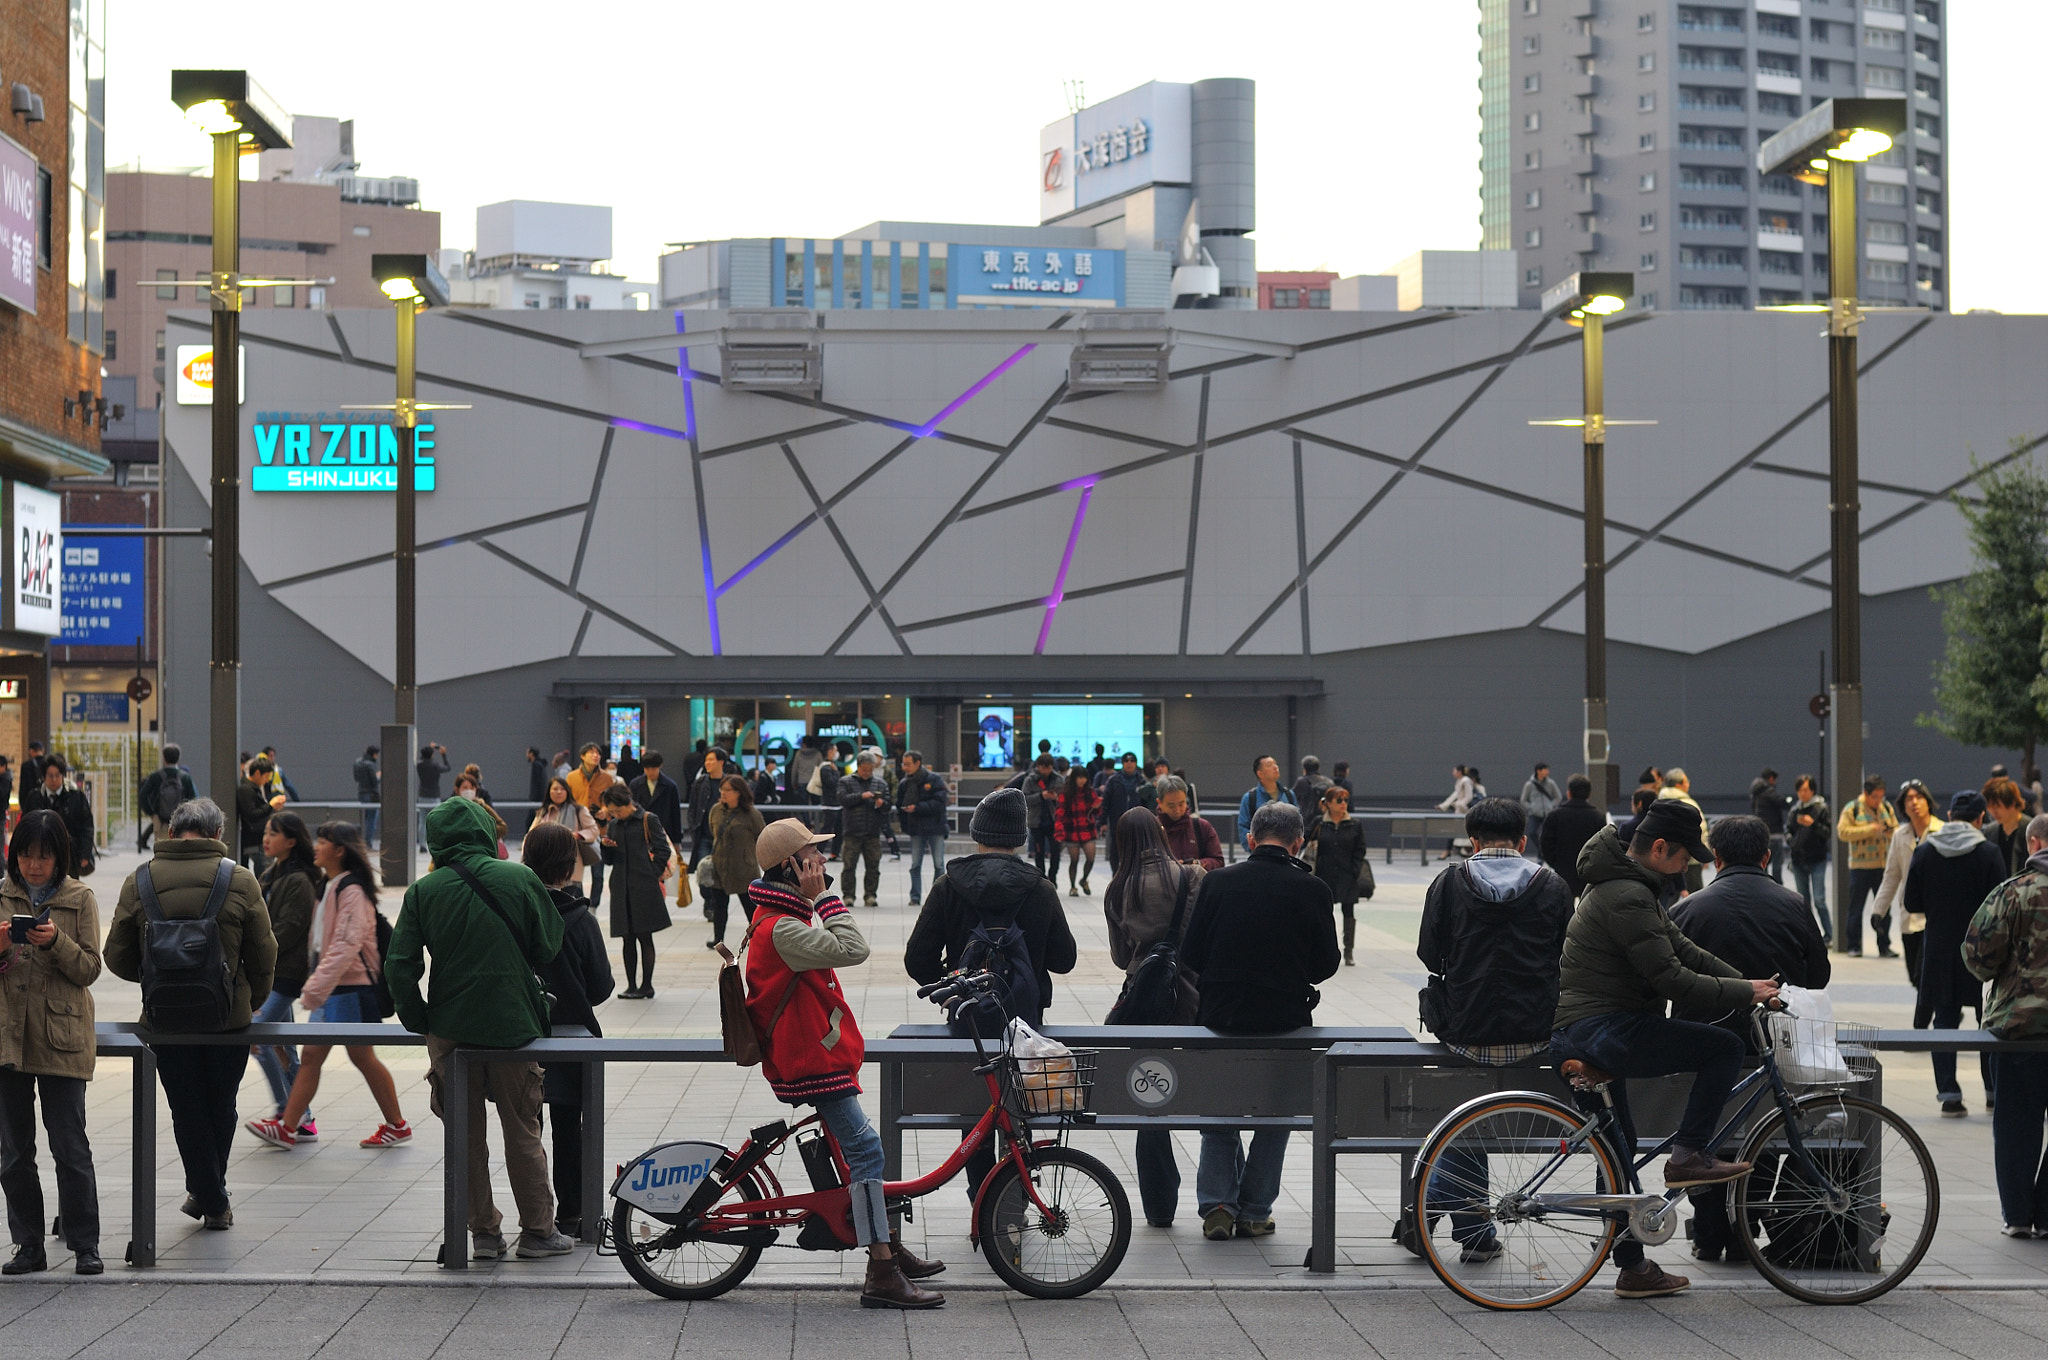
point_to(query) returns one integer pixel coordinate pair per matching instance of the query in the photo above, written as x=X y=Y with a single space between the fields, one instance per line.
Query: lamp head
x=1833 y=130
x=409 y=277
x=1590 y=294
x=222 y=102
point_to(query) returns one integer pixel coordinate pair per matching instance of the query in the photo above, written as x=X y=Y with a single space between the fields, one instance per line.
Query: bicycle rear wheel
x=667 y=1261
x=1467 y=1222
x=1073 y=1249
x=1858 y=1229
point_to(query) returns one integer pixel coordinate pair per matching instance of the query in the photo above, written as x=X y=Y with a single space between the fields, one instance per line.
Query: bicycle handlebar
x=955 y=986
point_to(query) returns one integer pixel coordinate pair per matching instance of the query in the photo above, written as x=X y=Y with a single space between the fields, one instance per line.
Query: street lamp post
x=412 y=283
x=1823 y=148
x=1587 y=300
x=235 y=112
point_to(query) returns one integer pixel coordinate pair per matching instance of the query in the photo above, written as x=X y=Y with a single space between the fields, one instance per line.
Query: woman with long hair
x=638 y=850
x=342 y=987
x=1145 y=893
x=1916 y=819
x=735 y=825
x=46 y=1046
x=559 y=806
x=290 y=893
x=1340 y=855
x=1073 y=825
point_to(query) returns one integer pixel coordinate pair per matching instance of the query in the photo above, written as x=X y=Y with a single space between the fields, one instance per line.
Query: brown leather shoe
x=914 y=1267
x=886 y=1287
x=1648 y=1281
x=1701 y=1168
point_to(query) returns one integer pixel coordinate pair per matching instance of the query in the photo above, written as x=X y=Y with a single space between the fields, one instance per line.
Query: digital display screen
x=997 y=731
x=623 y=726
x=778 y=736
x=1074 y=729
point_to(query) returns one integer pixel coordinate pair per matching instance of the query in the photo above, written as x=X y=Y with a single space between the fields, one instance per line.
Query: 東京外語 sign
x=321 y=452
x=1010 y=275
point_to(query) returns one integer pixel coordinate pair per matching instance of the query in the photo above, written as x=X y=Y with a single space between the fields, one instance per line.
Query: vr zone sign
x=315 y=453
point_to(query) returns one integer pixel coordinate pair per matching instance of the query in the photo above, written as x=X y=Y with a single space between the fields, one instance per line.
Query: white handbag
x=1803 y=1038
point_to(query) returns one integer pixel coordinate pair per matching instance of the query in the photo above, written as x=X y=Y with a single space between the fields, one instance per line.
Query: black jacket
x=665 y=802
x=1041 y=795
x=1493 y=929
x=1768 y=805
x=581 y=979
x=1120 y=793
x=1951 y=874
x=367 y=788
x=1340 y=850
x=997 y=887
x=252 y=812
x=923 y=802
x=1809 y=843
x=1565 y=832
x=1261 y=937
x=2011 y=848
x=74 y=809
x=537 y=776
x=703 y=793
x=629 y=768
x=765 y=791
x=857 y=816
x=1760 y=928
x=430 y=771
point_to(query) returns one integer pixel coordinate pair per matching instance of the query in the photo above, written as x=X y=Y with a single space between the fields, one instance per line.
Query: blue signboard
x=296 y=452
x=1010 y=275
x=95 y=706
x=106 y=591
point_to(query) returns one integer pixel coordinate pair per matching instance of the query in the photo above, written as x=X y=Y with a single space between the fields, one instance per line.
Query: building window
x=583 y=302
x=1884 y=39
x=1533 y=237
x=1777 y=105
x=1927 y=163
x=1711 y=177
x=1776 y=297
x=1532 y=278
x=110 y=298
x=85 y=226
x=1928 y=202
x=1286 y=297
x=558 y=303
x=1531 y=7
x=285 y=296
x=1928 y=240
x=1532 y=122
x=1647 y=264
x=1646 y=302
x=1926 y=11
x=1647 y=181
x=44 y=218
x=1894 y=194
x=1647 y=222
x=1927 y=125
x=1532 y=160
x=1646 y=103
x=1777 y=262
x=532 y=300
x=1884 y=271
x=1531 y=45
x=1784 y=223
x=1533 y=199
x=1783 y=185
x=1709 y=139
x=1883 y=78
x=1647 y=62
x=1930 y=279
x=1532 y=83
x=159 y=346
x=1646 y=141
x=1712 y=98
x=1777 y=26
x=1928 y=48
x=1713 y=257
x=1820 y=30
x=1319 y=297
x=1711 y=219
x=167 y=294
x=1885 y=233
x=1821 y=70
x=1927 y=87
x=1646 y=22
x=113 y=352
x=1886 y=6
x=1694 y=297
x=360 y=230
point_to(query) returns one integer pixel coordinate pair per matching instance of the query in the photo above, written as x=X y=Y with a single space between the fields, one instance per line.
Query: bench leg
x=593 y=1168
x=1322 y=1252
x=142 y=1162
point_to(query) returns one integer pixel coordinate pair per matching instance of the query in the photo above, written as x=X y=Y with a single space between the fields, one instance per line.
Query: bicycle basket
x=1858 y=1047
x=1059 y=1085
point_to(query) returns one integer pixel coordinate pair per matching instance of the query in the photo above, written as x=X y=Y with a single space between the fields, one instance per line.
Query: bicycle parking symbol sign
x=1152 y=1082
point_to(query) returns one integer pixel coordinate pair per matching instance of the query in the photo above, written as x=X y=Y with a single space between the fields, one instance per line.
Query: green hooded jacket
x=1622 y=951
x=484 y=990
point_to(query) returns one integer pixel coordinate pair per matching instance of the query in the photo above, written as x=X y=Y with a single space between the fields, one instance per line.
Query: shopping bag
x=1803 y=1038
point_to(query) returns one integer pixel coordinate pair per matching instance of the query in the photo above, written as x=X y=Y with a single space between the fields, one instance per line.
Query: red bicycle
x=692 y=1218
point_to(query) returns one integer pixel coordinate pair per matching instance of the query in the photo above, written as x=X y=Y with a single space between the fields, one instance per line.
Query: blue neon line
x=620 y=422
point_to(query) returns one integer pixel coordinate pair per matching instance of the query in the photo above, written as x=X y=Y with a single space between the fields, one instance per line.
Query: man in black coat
x=922 y=805
x=1951 y=874
x=1763 y=929
x=72 y=807
x=1121 y=792
x=659 y=794
x=703 y=793
x=1567 y=829
x=1261 y=936
x=1767 y=805
x=992 y=888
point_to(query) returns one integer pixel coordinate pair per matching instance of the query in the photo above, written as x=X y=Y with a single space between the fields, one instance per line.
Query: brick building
x=1286 y=290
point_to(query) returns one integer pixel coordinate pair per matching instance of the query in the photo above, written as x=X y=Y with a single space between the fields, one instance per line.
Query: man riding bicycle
x=1623 y=961
x=811 y=1048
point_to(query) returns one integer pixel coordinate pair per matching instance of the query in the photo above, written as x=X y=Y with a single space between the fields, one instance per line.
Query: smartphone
x=18 y=928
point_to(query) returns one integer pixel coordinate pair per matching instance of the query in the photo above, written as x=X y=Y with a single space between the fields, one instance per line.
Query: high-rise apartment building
x=1622 y=134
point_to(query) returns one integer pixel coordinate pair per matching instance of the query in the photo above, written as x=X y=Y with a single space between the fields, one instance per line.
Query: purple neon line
x=773 y=548
x=930 y=427
x=703 y=518
x=1059 y=584
x=689 y=393
x=624 y=424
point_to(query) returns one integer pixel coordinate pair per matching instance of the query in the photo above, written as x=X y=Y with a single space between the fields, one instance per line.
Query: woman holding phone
x=49 y=958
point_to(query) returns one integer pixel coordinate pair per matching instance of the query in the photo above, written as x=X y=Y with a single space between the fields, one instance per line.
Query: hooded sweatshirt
x=1952 y=873
x=1492 y=928
x=994 y=887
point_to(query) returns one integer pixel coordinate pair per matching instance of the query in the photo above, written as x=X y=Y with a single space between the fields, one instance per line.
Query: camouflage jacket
x=2008 y=947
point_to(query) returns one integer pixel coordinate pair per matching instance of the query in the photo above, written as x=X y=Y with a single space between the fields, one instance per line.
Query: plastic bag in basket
x=1803 y=1038
x=1045 y=1071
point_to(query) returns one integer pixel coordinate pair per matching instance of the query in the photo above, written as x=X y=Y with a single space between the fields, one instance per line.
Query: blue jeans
x=349 y=1006
x=2016 y=1138
x=1158 y=1176
x=369 y=823
x=922 y=844
x=862 y=1148
x=279 y=1072
x=1228 y=1178
x=1810 y=881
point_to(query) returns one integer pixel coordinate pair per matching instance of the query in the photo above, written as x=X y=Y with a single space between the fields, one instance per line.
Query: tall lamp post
x=241 y=119
x=1586 y=300
x=1823 y=148
x=413 y=284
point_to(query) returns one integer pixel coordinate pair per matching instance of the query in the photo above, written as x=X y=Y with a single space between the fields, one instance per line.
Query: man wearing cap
x=811 y=1047
x=1949 y=877
x=1623 y=961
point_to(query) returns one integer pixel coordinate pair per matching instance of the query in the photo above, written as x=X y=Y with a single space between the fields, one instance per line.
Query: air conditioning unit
x=1121 y=351
x=772 y=349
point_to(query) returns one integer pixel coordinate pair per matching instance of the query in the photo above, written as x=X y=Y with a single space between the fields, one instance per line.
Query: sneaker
x=221 y=1221
x=1954 y=1109
x=487 y=1246
x=1261 y=1227
x=1648 y=1281
x=273 y=1132
x=1711 y=1255
x=533 y=1245
x=1701 y=1168
x=2018 y=1230
x=1219 y=1225
x=914 y=902
x=190 y=1208
x=388 y=1136
x=309 y=1132
x=1073 y=891
x=1481 y=1250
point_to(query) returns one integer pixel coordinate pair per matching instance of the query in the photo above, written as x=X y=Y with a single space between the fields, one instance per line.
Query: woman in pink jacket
x=342 y=988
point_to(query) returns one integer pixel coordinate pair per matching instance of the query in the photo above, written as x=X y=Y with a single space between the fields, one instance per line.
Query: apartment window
x=583 y=302
x=1709 y=59
x=167 y=294
x=44 y=219
x=1647 y=264
x=1647 y=62
x=1699 y=19
x=1533 y=237
x=1927 y=125
x=1821 y=70
x=1927 y=11
x=1711 y=219
x=1927 y=163
x=1820 y=263
x=1711 y=177
x=1928 y=48
x=1787 y=223
x=1647 y=222
x=1713 y=257
x=1646 y=22
x=1695 y=297
x=1883 y=78
x=1777 y=105
x=1533 y=199
x=1531 y=45
x=1646 y=141
x=1884 y=39
x=1710 y=139
x=1776 y=297
x=159 y=346
x=1532 y=278
x=558 y=303
x=531 y=300
x=1820 y=30
x=1930 y=279
x=1783 y=185
x=1647 y=181
x=113 y=348
x=1646 y=103
x=286 y=296
x=1286 y=297
x=1777 y=26
x=1926 y=239
x=110 y=298
x=1531 y=83
x=1884 y=271
x=1531 y=7
x=1532 y=122
x=1319 y=297
x=1927 y=87
x=1776 y=262
x=1885 y=233
x=1894 y=194
x=1710 y=98
x=1532 y=160
x=1646 y=302
x=1928 y=202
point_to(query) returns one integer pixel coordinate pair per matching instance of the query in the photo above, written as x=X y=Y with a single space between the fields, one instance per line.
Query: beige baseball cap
x=782 y=838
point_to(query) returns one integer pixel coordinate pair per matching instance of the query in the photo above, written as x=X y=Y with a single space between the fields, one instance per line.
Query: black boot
x=913 y=1267
x=887 y=1287
x=1350 y=936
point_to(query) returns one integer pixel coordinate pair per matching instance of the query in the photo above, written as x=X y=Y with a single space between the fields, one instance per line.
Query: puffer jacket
x=858 y=816
x=1868 y=833
x=2007 y=946
x=997 y=886
x=46 y=1012
x=1491 y=929
x=182 y=871
x=922 y=803
x=1623 y=954
x=348 y=942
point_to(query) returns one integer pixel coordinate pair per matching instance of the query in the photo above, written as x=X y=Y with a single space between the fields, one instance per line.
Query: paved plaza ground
x=367 y=1222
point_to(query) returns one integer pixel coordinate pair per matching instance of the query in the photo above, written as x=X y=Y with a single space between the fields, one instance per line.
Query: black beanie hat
x=999 y=821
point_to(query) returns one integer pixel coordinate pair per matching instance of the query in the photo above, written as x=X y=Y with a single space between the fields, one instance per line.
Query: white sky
x=698 y=121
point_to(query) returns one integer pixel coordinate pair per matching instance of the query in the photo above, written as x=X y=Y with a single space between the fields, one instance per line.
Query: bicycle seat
x=1584 y=1075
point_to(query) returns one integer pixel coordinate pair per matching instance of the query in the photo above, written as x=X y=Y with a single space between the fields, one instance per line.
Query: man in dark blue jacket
x=660 y=795
x=922 y=803
x=1121 y=792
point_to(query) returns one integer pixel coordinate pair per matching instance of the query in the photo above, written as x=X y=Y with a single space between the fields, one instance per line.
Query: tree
x=1989 y=688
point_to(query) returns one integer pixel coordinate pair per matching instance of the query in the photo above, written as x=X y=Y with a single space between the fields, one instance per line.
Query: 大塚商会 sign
x=318 y=453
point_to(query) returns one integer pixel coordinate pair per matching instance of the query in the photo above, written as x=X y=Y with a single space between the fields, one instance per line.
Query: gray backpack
x=186 y=988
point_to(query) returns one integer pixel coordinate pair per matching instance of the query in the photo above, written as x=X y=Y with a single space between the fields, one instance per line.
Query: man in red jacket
x=811 y=1047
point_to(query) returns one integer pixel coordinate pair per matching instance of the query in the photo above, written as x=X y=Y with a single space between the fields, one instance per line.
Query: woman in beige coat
x=559 y=806
x=49 y=956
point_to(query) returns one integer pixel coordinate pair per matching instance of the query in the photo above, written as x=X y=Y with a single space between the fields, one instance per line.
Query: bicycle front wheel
x=1472 y=1223
x=1851 y=1218
x=1071 y=1246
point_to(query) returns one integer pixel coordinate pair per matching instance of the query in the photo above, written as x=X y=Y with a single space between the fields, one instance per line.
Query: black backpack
x=998 y=945
x=1151 y=992
x=170 y=791
x=186 y=988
